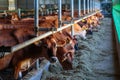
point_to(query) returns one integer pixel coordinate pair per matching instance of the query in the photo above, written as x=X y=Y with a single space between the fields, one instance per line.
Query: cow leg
x=16 y=72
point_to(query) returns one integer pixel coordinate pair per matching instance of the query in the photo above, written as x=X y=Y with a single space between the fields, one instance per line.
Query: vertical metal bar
x=92 y=6
x=36 y=24
x=79 y=8
x=19 y=13
x=88 y=5
x=72 y=16
x=72 y=8
x=60 y=13
x=84 y=6
x=36 y=17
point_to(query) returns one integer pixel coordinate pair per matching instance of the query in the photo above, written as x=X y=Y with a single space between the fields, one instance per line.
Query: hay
x=94 y=59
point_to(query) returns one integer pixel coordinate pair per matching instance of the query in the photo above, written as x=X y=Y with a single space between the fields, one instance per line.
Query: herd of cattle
x=15 y=30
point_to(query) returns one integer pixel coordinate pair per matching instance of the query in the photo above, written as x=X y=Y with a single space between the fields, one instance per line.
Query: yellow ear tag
x=83 y=20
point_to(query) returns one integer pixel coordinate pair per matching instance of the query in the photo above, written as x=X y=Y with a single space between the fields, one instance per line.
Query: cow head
x=65 y=54
x=14 y=17
x=49 y=48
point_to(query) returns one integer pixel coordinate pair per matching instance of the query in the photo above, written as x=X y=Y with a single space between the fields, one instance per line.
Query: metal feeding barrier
x=37 y=29
x=36 y=3
x=36 y=6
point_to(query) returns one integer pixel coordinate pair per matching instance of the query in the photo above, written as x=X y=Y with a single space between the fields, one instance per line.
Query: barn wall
x=25 y=4
x=3 y=4
x=29 y=4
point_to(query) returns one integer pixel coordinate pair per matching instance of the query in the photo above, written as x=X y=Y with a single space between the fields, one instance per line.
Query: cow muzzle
x=68 y=56
x=53 y=59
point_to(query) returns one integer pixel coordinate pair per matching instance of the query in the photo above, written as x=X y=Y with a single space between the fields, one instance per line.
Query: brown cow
x=46 y=48
x=6 y=39
x=99 y=15
x=65 y=52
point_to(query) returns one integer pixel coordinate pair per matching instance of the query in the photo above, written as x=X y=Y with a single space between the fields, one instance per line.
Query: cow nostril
x=54 y=59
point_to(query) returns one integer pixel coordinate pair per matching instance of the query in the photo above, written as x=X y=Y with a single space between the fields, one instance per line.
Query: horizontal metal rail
x=86 y=16
x=31 y=41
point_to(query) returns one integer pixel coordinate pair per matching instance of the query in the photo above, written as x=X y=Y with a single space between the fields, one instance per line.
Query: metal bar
x=60 y=13
x=72 y=9
x=36 y=24
x=86 y=16
x=94 y=5
x=88 y=5
x=79 y=8
x=72 y=16
x=36 y=17
x=84 y=6
x=26 y=43
x=19 y=13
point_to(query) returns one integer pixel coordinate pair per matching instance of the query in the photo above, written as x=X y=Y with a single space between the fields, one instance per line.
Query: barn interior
x=59 y=39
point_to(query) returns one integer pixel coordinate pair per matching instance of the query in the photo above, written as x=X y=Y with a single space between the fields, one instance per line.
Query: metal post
x=36 y=17
x=19 y=13
x=84 y=6
x=92 y=6
x=36 y=24
x=79 y=8
x=72 y=16
x=60 y=13
x=88 y=5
